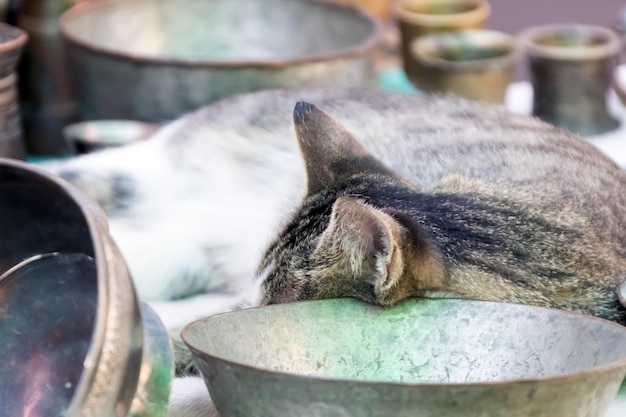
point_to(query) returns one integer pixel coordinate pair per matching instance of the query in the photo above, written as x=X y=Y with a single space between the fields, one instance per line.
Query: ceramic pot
x=571 y=70
x=475 y=64
x=417 y=18
x=11 y=42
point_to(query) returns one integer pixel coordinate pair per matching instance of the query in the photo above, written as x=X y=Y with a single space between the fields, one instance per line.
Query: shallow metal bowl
x=96 y=135
x=153 y=60
x=421 y=358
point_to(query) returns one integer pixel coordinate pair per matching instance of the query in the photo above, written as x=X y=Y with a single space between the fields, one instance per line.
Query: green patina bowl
x=428 y=358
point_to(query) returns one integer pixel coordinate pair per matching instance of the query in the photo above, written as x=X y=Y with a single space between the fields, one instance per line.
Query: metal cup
x=475 y=64
x=571 y=70
x=417 y=18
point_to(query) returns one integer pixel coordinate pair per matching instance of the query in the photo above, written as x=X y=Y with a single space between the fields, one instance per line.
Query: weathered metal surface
x=571 y=68
x=421 y=358
x=122 y=370
x=152 y=60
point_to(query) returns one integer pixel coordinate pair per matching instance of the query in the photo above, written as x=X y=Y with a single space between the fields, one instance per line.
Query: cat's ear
x=366 y=244
x=329 y=150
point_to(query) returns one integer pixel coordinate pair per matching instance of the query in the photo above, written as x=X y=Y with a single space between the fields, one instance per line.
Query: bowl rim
x=480 y=12
x=360 y=49
x=420 y=47
x=611 y=47
x=599 y=369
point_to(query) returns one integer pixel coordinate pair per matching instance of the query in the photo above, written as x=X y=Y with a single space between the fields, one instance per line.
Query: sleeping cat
x=401 y=196
x=527 y=216
x=510 y=199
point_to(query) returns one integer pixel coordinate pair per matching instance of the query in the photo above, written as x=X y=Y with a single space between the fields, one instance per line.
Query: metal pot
x=71 y=321
x=152 y=60
x=571 y=69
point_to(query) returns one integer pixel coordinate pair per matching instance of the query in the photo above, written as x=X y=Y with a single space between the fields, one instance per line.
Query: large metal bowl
x=153 y=60
x=426 y=358
x=76 y=342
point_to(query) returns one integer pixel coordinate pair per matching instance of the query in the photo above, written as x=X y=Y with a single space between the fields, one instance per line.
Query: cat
x=530 y=215
x=454 y=199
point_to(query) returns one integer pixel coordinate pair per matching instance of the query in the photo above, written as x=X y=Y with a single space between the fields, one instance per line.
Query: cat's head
x=353 y=235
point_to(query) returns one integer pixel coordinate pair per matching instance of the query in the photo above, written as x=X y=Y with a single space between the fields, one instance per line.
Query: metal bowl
x=154 y=60
x=426 y=358
x=475 y=64
x=96 y=135
x=76 y=341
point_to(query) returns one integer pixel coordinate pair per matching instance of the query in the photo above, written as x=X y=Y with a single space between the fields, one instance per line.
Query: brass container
x=475 y=64
x=47 y=98
x=571 y=69
x=417 y=18
x=12 y=40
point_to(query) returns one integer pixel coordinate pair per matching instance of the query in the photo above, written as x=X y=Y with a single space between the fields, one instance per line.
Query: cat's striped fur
x=514 y=211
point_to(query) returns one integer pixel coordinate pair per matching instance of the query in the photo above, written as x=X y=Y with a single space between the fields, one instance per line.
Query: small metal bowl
x=96 y=135
x=426 y=358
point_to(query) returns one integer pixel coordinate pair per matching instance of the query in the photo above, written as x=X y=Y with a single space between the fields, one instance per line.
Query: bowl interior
x=465 y=48
x=219 y=30
x=439 y=7
x=418 y=341
x=49 y=310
